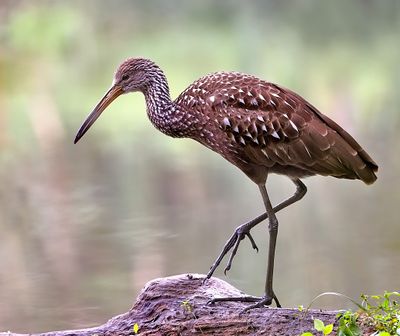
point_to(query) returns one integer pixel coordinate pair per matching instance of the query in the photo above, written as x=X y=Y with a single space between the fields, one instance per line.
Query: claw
x=226 y=269
x=239 y=238
x=240 y=234
x=225 y=250
x=253 y=243
x=234 y=241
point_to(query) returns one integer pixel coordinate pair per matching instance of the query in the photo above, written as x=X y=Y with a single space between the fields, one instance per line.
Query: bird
x=260 y=127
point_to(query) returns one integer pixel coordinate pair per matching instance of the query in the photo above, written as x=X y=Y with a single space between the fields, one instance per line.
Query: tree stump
x=178 y=305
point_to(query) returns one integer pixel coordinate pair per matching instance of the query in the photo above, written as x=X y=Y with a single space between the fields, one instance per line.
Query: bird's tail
x=352 y=155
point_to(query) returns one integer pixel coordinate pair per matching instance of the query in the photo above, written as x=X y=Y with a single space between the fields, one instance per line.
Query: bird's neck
x=163 y=113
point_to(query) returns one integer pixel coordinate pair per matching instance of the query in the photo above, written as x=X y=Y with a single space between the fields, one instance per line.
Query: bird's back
x=262 y=127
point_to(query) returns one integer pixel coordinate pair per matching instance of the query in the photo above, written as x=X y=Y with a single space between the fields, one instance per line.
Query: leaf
x=354 y=329
x=345 y=331
x=328 y=329
x=319 y=325
x=349 y=328
x=135 y=328
x=307 y=334
x=383 y=333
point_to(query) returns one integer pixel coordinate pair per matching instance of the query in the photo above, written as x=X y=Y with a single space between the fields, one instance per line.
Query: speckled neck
x=164 y=114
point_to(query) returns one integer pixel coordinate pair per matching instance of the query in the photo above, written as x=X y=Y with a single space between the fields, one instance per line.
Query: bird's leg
x=244 y=230
x=269 y=294
x=273 y=233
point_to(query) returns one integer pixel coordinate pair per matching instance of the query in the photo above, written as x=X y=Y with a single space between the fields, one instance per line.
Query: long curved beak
x=108 y=98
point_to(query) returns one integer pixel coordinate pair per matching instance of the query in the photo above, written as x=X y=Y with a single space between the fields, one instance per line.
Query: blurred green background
x=84 y=227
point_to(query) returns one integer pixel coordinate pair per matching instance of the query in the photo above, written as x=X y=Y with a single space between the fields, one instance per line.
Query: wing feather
x=274 y=125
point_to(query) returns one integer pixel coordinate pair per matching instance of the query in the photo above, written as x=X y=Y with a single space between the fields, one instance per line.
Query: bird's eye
x=125 y=77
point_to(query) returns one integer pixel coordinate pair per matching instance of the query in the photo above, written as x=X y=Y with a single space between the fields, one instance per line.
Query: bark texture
x=177 y=305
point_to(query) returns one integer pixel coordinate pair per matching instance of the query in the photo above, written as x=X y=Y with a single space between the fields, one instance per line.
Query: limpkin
x=259 y=127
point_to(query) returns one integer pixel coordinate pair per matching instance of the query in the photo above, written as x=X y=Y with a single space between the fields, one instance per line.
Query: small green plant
x=348 y=324
x=321 y=327
x=189 y=309
x=187 y=306
x=383 y=312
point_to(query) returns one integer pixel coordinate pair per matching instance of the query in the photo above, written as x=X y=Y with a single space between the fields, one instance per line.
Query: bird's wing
x=266 y=117
x=276 y=125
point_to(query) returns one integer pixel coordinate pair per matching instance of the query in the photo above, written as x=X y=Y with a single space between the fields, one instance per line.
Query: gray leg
x=273 y=234
x=244 y=230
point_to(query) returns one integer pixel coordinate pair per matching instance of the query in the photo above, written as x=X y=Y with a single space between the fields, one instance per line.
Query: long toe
x=244 y=298
x=258 y=302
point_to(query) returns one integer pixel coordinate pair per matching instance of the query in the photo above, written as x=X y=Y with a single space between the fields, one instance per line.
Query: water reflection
x=80 y=241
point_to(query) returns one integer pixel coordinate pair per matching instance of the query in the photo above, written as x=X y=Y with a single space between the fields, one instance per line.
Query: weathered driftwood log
x=177 y=305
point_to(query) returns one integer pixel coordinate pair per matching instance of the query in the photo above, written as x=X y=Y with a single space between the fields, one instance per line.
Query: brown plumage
x=258 y=126
x=263 y=128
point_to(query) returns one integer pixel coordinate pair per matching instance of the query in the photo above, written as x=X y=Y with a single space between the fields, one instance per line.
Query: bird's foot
x=234 y=241
x=259 y=302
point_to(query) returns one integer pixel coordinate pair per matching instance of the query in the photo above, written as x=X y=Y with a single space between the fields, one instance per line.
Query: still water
x=84 y=227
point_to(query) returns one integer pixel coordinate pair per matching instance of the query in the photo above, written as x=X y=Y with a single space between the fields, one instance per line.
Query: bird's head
x=134 y=74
